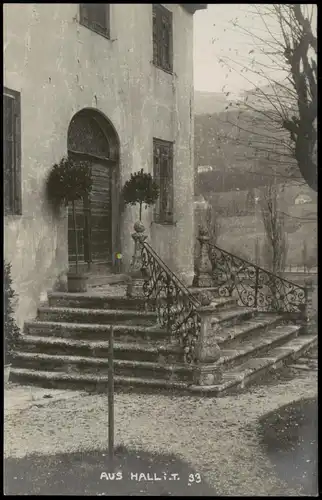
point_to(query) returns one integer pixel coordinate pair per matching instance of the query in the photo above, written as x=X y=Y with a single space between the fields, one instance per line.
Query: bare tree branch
x=290 y=103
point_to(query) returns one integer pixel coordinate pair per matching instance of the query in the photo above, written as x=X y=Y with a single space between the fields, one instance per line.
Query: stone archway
x=92 y=137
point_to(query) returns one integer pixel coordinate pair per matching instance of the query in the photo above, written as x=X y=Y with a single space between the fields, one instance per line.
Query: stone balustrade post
x=203 y=272
x=207 y=371
x=135 y=286
x=310 y=311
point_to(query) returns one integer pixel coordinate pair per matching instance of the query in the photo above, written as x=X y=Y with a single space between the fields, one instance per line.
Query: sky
x=214 y=37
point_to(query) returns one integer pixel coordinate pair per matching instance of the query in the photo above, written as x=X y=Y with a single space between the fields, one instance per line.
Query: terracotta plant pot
x=76 y=282
x=6 y=373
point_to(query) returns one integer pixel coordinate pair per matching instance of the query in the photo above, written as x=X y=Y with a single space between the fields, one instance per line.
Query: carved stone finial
x=203 y=277
x=135 y=288
x=203 y=232
x=139 y=227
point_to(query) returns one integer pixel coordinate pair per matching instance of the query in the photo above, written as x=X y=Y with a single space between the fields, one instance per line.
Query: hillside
x=231 y=175
x=209 y=102
x=241 y=147
x=219 y=144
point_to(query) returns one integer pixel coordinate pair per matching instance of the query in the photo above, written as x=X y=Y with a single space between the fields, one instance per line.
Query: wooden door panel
x=99 y=211
x=72 y=245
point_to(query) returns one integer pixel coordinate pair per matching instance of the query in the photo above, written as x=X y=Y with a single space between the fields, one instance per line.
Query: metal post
x=256 y=286
x=76 y=235
x=169 y=301
x=111 y=396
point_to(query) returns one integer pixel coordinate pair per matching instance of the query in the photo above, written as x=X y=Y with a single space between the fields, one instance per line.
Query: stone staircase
x=67 y=346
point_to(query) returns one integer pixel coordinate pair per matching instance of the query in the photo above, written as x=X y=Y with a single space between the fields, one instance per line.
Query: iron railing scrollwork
x=254 y=286
x=176 y=307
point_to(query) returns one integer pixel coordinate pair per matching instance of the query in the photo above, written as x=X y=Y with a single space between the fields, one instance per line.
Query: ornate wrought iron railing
x=254 y=286
x=176 y=307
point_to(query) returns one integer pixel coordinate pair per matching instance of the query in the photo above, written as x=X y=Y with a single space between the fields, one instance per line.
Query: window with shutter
x=162 y=37
x=96 y=17
x=163 y=175
x=12 y=152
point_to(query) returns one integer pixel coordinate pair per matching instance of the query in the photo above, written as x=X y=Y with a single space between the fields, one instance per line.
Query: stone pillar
x=310 y=312
x=203 y=276
x=207 y=371
x=135 y=287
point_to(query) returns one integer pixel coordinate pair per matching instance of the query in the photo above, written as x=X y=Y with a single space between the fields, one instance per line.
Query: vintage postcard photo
x=160 y=249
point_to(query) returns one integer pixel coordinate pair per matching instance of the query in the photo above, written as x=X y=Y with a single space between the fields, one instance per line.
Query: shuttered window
x=96 y=17
x=12 y=152
x=162 y=37
x=163 y=175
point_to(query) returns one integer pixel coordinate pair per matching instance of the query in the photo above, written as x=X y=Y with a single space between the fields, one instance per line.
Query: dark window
x=162 y=37
x=12 y=152
x=96 y=17
x=163 y=175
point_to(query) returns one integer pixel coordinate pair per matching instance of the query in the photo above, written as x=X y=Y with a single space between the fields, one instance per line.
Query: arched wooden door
x=92 y=138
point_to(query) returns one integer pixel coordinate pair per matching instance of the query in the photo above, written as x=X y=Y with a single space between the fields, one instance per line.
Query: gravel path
x=218 y=437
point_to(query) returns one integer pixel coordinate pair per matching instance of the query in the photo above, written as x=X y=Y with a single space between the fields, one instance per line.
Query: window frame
x=15 y=205
x=159 y=11
x=162 y=217
x=84 y=21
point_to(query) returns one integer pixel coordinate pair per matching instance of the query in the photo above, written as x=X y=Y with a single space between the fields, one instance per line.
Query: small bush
x=11 y=330
x=68 y=181
x=141 y=189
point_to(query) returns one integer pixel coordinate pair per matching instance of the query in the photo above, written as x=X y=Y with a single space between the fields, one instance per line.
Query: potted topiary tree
x=11 y=330
x=69 y=181
x=141 y=189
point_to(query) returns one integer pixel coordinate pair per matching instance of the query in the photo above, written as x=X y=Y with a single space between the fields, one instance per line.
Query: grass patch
x=283 y=427
x=289 y=436
x=82 y=473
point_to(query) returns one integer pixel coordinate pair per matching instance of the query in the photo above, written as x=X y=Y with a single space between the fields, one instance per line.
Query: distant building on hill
x=302 y=198
x=204 y=168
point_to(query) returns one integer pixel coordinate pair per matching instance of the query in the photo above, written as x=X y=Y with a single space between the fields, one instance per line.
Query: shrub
x=141 y=189
x=68 y=181
x=11 y=330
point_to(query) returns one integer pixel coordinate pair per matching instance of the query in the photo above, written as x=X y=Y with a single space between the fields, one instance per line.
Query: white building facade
x=112 y=83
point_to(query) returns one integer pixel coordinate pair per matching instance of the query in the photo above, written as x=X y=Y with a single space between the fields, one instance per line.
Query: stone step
x=105 y=298
x=233 y=316
x=309 y=361
x=258 y=346
x=102 y=279
x=231 y=336
x=74 y=365
x=95 y=331
x=305 y=367
x=255 y=369
x=221 y=302
x=144 y=351
x=97 y=316
x=93 y=383
x=233 y=381
x=140 y=350
x=96 y=300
